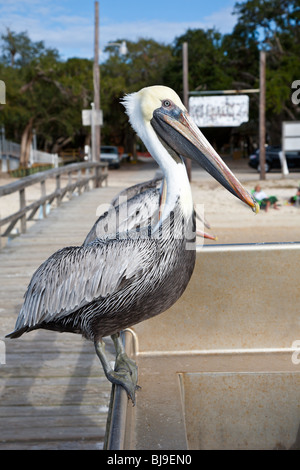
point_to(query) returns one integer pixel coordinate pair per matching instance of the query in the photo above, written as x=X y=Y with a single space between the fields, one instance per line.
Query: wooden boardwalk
x=53 y=393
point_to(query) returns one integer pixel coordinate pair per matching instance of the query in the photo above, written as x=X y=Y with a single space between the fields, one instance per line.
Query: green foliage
x=18 y=49
x=273 y=25
x=143 y=66
x=206 y=61
x=48 y=94
x=43 y=91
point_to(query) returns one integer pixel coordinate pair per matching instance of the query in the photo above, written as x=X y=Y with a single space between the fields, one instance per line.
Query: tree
x=274 y=26
x=206 y=61
x=144 y=65
x=47 y=94
x=43 y=93
x=18 y=49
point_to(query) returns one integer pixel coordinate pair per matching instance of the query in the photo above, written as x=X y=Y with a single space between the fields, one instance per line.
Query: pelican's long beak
x=178 y=130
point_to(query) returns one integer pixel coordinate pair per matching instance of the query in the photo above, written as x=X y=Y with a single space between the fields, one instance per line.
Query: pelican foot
x=125 y=372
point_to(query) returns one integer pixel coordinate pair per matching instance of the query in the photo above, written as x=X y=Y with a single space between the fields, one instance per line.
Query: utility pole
x=185 y=66
x=96 y=81
x=262 y=114
x=185 y=73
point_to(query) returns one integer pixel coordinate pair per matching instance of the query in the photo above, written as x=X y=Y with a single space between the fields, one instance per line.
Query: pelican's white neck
x=178 y=186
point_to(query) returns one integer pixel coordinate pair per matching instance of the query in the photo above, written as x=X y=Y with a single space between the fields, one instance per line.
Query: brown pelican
x=110 y=284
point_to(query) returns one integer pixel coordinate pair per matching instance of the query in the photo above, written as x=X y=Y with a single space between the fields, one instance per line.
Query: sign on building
x=220 y=110
x=291 y=136
x=2 y=92
x=290 y=142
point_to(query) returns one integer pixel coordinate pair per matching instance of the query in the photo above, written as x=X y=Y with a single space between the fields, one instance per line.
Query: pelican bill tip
x=256 y=207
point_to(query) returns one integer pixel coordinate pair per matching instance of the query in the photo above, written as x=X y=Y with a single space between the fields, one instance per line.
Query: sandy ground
x=230 y=220
x=233 y=222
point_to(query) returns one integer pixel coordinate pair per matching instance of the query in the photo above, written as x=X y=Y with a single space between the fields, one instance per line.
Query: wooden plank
x=53 y=392
x=79 y=444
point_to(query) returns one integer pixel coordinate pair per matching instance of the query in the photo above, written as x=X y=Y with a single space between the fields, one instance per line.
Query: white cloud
x=73 y=35
x=223 y=20
x=166 y=31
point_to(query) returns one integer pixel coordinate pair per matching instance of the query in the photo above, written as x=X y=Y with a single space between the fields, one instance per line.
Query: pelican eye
x=167 y=103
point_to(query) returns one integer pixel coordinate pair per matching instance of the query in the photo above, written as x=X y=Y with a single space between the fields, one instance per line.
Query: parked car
x=273 y=160
x=110 y=154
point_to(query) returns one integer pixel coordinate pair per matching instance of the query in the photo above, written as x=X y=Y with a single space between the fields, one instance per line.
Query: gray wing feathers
x=137 y=189
x=75 y=276
x=139 y=211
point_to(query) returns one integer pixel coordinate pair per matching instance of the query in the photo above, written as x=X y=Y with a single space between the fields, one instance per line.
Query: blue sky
x=69 y=25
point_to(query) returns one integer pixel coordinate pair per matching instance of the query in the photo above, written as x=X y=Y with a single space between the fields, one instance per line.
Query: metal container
x=221 y=368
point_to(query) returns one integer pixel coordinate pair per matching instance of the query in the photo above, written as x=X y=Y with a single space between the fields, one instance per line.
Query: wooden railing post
x=43 y=194
x=70 y=184
x=105 y=175
x=87 y=174
x=22 y=206
x=97 y=177
x=78 y=179
x=58 y=197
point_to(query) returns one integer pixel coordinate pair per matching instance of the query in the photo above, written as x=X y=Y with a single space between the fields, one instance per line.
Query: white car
x=110 y=155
